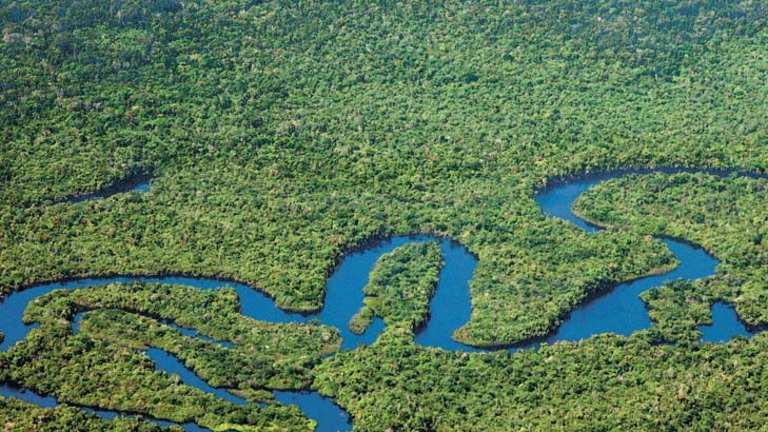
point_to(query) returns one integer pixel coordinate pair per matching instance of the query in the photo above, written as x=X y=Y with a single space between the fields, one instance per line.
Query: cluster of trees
x=604 y=383
x=286 y=242
x=282 y=134
x=678 y=308
x=103 y=364
x=264 y=355
x=18 y=416
x=91 y=372
x=400 y=286
x=726 y=216
x=433 y=118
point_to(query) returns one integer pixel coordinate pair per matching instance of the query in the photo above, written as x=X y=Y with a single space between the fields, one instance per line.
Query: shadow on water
x=138 y=183
x=618 y=310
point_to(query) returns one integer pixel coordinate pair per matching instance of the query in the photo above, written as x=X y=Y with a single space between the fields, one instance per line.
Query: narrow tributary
x=618 y=310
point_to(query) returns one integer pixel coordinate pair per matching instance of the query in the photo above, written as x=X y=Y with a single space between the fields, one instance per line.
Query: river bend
x=618 y=310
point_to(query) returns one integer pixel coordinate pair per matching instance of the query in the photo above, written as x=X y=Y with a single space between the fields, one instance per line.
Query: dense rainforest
x=279 y=136
x=16 y=415
x=728 y=216
x=400 y=286
x=102 y=365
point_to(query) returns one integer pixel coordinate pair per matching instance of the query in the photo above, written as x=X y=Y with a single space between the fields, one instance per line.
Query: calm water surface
x=10 y=391
x=618 y=311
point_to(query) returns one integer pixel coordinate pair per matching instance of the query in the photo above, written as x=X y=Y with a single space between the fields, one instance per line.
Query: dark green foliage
x=677 y=309
x=215 y=313
x=289 y=257
x=400 y=287
x=90 y=372
x=17 y=416
x=266 y=355
x=103 y=365
x=360 y=321
x=604 y=383
x=282 y=134
x=725 y=216
x=238 y=368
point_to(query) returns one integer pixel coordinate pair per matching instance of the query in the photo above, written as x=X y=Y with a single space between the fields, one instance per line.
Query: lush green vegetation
x=265 y=354
x=677 y=309
x=600 y=384
x=84 y=371
x=98 y=238
x=727 y=216
x=400 y=287
x=604 y=383
x=17 y=416
x=103 y=365
x=282 y=134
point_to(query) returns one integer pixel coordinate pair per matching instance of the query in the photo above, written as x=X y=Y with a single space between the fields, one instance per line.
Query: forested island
x=351 y=215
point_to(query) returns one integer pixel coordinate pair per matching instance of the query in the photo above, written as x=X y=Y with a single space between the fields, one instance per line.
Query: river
x=618 y=310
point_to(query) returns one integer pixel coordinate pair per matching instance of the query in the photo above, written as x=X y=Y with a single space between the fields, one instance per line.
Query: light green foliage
x=103 y=365
x=728 y=217
x=91 y=372
x=400 y=286
x=17 y=416
x=283 y=134
x=604 y=383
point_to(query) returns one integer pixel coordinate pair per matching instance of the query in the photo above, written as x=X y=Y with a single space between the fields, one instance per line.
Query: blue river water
x=618 y=310
x=170 y=364
x=10 y=391
x=725 y=325
x=329 y=416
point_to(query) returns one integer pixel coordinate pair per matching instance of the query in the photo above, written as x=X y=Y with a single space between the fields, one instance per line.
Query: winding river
x=618 y=311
